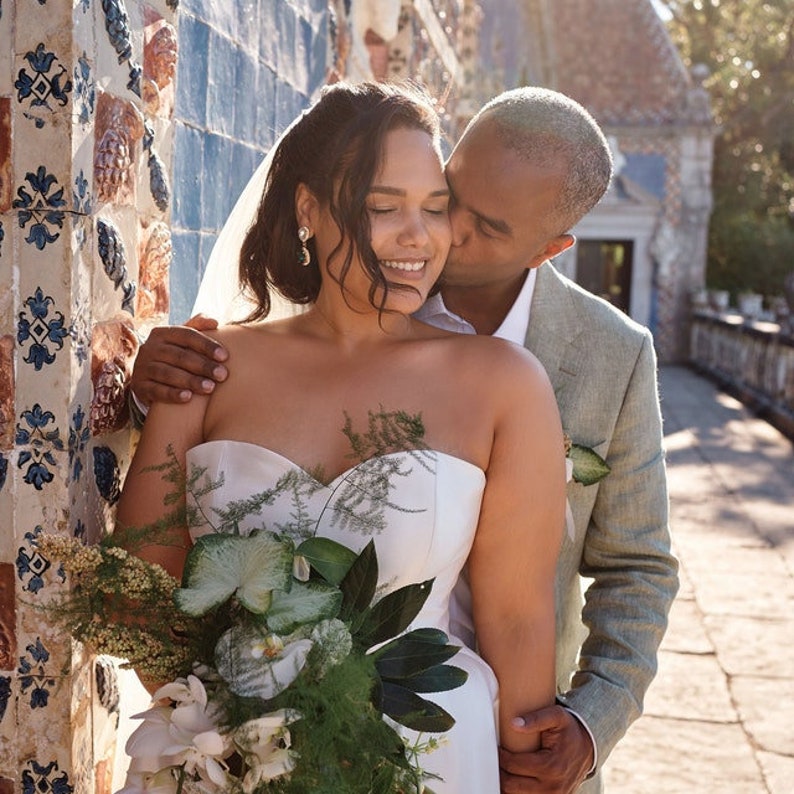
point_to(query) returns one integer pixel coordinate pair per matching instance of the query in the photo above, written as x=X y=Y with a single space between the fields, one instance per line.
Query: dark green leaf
x=440 y=678
x=394 y=612
x=405 y=657
x=413 y=711
x=330 y=559
x=588 y=466
x=358 y=586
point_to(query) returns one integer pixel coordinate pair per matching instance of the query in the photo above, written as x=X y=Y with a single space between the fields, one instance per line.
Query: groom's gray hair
x=545 y=127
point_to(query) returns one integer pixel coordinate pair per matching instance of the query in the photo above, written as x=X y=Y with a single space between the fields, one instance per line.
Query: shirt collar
x=513 y=328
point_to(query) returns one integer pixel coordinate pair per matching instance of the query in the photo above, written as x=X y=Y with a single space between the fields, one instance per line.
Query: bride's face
x=409 y=222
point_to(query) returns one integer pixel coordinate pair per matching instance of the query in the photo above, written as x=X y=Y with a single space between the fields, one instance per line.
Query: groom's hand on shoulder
x=560 y=765
x=178 y=361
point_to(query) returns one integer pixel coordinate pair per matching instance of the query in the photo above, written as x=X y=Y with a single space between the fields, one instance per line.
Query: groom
x=526 y=169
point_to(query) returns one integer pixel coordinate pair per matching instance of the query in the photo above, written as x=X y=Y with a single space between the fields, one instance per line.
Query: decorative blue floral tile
x=39 y=779
x=81 y=195
x=78 y=333
x=3 y=470
x=32 y=675
x=38 y=445
x=32 y=564
x=42 y=328
x=42 y=206
x=79 y=433
x=46 y=84
x=107 y=474
x=84 y=89
x=79 y=532
x=2 y=236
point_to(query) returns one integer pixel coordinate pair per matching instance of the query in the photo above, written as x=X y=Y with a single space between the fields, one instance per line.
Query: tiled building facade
x=127 y=129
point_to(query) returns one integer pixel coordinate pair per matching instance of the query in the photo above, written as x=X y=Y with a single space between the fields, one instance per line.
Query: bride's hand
x=176 y=362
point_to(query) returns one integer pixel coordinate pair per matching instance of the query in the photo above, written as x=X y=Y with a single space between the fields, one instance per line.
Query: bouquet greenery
x=287 y=673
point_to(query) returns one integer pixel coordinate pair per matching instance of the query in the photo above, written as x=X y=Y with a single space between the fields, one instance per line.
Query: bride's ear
x=306 y=207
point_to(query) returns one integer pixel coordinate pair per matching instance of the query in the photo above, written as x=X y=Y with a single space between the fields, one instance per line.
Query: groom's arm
x=627 y=554
x=176 y=362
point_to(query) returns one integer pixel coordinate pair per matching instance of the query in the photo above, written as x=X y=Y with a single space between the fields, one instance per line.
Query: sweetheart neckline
x=342 y=474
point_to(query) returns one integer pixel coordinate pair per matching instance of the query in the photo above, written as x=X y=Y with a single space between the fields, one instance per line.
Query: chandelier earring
x=304 y=256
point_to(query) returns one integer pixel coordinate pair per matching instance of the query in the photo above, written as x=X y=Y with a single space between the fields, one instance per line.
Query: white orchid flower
x=186 y=735
x=264 y=744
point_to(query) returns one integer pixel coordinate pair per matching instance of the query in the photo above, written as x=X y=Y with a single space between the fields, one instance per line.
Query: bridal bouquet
x=286 y=672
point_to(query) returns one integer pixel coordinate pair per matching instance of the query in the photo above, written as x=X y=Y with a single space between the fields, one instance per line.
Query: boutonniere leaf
x=588 y=466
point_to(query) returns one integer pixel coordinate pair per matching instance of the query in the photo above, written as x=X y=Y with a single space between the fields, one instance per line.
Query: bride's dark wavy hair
x=335 y=149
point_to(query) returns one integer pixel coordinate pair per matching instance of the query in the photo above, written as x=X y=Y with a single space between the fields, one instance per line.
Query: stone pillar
x=85 y=149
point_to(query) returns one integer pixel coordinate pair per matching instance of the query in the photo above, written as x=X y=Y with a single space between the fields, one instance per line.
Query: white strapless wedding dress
x=427 y=533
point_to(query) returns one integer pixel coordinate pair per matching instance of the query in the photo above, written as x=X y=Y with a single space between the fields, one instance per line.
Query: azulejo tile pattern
x=84 y=89
x=35 y=684
x=41 y=329
x=38 y=443
x=40 y=204
x=32 y=564
x=40 y=779
x=44 y=83
x=79 y=434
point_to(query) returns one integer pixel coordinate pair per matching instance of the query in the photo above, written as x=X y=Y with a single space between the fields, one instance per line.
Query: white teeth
x=409 y=266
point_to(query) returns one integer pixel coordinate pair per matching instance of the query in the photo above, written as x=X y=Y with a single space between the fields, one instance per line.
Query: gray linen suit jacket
x=602 y=366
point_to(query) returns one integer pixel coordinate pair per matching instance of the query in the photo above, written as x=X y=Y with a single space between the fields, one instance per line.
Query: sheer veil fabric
x=219 y=294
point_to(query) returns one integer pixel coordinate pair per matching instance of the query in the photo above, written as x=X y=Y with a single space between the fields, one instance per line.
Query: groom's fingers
x=176 y=362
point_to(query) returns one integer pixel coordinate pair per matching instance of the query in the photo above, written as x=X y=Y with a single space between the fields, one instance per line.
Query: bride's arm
x=170 y=430
x=513 y=560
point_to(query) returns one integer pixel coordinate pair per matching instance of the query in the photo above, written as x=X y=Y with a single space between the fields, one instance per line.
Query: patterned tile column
x=86 y=99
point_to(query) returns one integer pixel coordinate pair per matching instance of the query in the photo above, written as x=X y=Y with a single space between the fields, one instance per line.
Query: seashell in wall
x=119 y=126
x=113 y=346
x=153 y=275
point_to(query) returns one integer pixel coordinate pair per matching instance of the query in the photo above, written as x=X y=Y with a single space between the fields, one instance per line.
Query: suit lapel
x=553 y=333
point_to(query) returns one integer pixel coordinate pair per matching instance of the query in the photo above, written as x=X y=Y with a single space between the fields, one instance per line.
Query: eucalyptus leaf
x=330 y=559
x=358 y=586
x=406 y=656
x=413 y=711
x=306 y=602
x=220 y=566
x=588 y=466
x=394 y=612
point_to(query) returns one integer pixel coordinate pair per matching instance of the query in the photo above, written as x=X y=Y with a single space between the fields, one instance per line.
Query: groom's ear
x=306 y=207
x=556 y=245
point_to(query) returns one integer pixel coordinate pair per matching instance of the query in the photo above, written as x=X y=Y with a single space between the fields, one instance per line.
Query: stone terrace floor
x=720 y=715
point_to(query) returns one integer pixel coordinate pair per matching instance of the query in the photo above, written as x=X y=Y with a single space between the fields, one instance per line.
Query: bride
x=353 y=223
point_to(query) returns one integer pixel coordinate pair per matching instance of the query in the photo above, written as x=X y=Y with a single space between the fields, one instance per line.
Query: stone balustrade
x=752 y=359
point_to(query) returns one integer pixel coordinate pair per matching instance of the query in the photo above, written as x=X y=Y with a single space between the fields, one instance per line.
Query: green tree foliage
x=748 y=46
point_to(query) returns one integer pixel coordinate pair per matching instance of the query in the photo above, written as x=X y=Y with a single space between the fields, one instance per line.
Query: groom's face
x=500 y=211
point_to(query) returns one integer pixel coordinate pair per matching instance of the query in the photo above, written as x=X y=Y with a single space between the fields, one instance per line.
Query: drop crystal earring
x=304 y=257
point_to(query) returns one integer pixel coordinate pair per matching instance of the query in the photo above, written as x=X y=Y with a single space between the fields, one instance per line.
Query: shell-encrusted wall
x=86 y=99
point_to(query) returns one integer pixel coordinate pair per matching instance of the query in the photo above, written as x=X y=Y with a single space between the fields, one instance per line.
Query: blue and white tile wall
x=246 y=69
x=86 y=142
x=127 y=129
